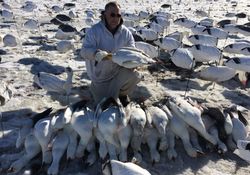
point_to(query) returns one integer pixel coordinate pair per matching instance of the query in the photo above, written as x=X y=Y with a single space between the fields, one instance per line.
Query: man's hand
x=101 y=55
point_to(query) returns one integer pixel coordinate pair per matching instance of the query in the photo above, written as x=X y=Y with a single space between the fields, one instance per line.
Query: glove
x=101 y=54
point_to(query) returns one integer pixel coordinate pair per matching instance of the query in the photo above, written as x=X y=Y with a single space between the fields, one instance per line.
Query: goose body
x=52 y=83
x=245 y=51
x=180 y=129
x=156 y=27
x=82 y=123
x=131 y=57
x=204 y=53
x=185 y=22
x=216 y=32
x=32 y=148
x=149 y=49
x=191 y=115
x=148 y=34
x=217 y=74
x=121 y=168
x=183 y=58
x=239 y=63
x=6 y=14
x=110 y=119
x=137 y=122
x=236 y=47
x=168 y=43
x=59 y=146
x=243 y=29
x=203 y=39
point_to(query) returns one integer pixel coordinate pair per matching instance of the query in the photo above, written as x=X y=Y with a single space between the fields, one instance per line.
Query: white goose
x=32 y=148
x=137 y=122
x=183 y=58
x=149 y=49
x=155 y=130
x=236 y=47
x=110 y=120
x=131 y=57
x=204 y=53
x=167 y=43
x=51 y=83
x=147 y=34
x=191 y=115
x=121 y=168
x=180 y=129
x=217 y=73
x=239 y=63
x=185 y=22
x=203 y=39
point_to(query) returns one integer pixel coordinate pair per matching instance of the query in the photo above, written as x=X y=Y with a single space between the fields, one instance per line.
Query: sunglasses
x=113 y=15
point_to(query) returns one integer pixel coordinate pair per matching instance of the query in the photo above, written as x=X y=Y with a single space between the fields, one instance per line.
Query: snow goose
x=191 y=115
x=180 y=129
x=239 y=63
x=245 y=51
x=207 y=22
x=236 y=47
x=128 y=168
x=131 y=57
x=157 y=121
x=59 y=145
x=27 y=128
x=82 y=123
x=9 y=40
x=243 y=29
x=110 y=118
x=161 y=20
x=239 y=131
x=225 y=22
x=217 y=73
x=156 y=27
x=183 y=58
x=216 y=32
x=148 y=34
x=137 y=122
x=185 y=22
x=32 y=148
x=29 y=6
x=51 y=83
x=204 y=53
x=149 y=49
x=203 y=39
x=167 y=43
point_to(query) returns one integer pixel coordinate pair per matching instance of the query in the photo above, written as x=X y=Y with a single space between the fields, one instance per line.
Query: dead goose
x=239 y=63
x=51 y=83
x=137 y=122
x=110 y=119
x=191 y=115
x=185 y=22
x=147 y=34
x=32 y=148
x=131 y=57
x=179 y=129
x=120 y=168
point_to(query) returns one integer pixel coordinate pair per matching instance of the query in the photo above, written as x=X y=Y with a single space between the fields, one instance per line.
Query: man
x=108 y=79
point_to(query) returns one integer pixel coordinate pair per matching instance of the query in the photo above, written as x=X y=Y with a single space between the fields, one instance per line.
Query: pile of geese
x=117 y=128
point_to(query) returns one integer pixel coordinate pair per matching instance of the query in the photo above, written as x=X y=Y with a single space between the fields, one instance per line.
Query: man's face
x=113 y=17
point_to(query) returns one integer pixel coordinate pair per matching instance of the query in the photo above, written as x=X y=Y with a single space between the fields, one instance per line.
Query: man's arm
x=88 y=49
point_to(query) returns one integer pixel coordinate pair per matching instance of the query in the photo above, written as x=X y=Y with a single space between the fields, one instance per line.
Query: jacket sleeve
x=88 y=49
x=131 y=41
